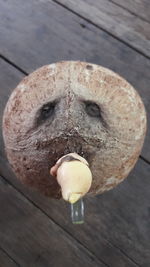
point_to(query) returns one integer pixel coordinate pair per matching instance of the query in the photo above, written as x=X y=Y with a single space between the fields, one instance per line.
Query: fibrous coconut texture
x=70 y=107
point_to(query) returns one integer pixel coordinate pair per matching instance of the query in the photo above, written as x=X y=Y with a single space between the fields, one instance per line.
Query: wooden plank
x=9 y=79
x=59 y=212
x=32 y=239
x=32 y=39
x=139 y=7
x=110 y=231
x=119 y=218
x=6 y=261
x=116 y=227
x=114 y=19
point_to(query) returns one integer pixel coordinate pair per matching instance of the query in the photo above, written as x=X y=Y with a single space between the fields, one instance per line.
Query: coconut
x=73 y=107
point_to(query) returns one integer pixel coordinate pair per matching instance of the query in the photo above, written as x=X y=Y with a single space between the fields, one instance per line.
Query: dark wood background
x=34 y=230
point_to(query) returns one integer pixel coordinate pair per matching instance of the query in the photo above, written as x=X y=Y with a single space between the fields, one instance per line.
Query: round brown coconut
x=73 y=107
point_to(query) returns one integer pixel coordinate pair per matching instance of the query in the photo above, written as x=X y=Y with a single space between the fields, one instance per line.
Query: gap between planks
x=89 y=253
x=102 y=28
x=6 y=253
x=13 y=65
x=130 y=11
x=144 y=159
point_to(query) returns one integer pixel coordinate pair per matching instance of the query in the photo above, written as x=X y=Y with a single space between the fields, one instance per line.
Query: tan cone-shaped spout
x=73 y=175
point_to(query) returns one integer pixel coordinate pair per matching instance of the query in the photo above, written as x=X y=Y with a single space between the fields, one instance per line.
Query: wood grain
x=32 y=39
x=116 y=228
x=32 y=239
x=139 y=7
x=117 y=219
x=9 y=79
x=114 y=19
x=116 y=231
x=59 y=212
x=6 y=261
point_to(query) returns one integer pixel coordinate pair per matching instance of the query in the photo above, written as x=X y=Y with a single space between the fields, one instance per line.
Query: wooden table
x=34 y=230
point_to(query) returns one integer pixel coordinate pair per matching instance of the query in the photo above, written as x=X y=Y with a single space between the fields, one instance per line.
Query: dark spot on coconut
x=69 y=158
x=89 y=67
x=47 y=111
x=16 y=104
x=92 y=109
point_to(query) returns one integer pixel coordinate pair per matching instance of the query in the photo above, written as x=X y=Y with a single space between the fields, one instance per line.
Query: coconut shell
x=73 y=107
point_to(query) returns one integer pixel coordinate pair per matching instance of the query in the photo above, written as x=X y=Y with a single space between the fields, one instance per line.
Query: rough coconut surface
x=73 y=107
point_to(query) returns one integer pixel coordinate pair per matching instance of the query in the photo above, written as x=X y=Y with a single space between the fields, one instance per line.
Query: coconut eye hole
x=47 y=111
x=92 y=109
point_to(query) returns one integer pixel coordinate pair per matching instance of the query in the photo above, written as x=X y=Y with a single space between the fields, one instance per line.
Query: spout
x=77 y=212
x=73 y=175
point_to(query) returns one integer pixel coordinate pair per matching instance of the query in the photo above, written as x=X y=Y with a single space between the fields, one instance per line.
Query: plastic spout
x=77 y=212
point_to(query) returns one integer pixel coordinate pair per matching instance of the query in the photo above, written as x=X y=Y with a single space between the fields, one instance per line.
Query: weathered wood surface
x=6 y=261
x=139 y=7
x=31 y=39
x=9 y=78
x=116 y=228
x=34 y=230
x=114 y=19
x=32 y=239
